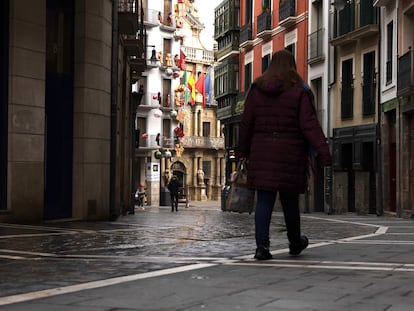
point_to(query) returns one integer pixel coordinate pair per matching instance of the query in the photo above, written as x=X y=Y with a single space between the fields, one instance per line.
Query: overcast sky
x=206 y=13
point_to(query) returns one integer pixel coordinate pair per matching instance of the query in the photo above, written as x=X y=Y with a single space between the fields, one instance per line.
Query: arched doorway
x=178 y=169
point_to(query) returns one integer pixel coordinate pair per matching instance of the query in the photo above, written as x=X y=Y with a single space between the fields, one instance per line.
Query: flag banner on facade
x=191 y=86
x=199 y=86
x=182 y=59
x=184 y=82
x=207 y=88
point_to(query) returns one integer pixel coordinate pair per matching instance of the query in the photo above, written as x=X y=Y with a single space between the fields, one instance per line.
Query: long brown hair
x=283 y=67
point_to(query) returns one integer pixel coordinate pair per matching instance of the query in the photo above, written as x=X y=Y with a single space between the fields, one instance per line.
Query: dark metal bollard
x=224 y=195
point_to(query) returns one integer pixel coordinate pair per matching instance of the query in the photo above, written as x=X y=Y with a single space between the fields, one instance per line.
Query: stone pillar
x=195 y=167
x=218 y=168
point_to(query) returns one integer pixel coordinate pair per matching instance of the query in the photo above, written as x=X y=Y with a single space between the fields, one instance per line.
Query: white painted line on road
x=12 y=257
x=381 y=229
x=97 y=284
x=378 y=242
x=40 y=228
x=31 y=235
x=271 y=263
x=10 y=251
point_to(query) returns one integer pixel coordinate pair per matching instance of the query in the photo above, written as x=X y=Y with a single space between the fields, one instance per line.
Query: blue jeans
x=263 y=215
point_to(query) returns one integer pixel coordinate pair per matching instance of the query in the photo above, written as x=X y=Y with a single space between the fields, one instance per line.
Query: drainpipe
x=331 y=68
x=379 y=207
x=113 y=211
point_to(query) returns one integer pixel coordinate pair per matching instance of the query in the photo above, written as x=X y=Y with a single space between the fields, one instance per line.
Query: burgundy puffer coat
x=276 y=131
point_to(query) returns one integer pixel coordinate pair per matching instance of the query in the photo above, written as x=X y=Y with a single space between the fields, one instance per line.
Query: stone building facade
x=65 y=108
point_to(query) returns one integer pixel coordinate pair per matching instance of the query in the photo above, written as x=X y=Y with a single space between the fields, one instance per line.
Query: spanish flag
x=191 y=86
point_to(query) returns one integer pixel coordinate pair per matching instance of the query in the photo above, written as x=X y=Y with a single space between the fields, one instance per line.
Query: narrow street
x=200 y=258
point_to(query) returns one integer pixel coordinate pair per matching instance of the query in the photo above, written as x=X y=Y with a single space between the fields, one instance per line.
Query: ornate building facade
x=177 y=128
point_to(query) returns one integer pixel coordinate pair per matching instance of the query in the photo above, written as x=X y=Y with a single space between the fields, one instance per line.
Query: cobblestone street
x=154 y=240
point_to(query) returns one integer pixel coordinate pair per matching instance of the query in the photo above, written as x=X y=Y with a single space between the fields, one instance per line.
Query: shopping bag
x=240 y=198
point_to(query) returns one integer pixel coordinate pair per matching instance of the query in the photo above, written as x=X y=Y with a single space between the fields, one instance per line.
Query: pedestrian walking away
x=173 y=187
x=279 y=126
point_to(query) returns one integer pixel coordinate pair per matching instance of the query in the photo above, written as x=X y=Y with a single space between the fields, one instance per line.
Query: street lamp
x=153 y=58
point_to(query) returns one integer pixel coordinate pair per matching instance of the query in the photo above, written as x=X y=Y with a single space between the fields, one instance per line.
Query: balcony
x=195 y=55
x=315 y=43
x=246 y=36
x=133 y=46
x=225 y=107
x=356 y=23
x=128 y=17
x=203 y=142
x=137 y=66
x=151 y=18
x=150 y=142
x=167 y=21
x=227 y=45
x=405 y=77
x=287 y=13
x=264 y=25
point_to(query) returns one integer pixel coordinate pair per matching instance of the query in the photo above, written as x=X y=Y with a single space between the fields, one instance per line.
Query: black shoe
x=296 y=248
x=262 y=253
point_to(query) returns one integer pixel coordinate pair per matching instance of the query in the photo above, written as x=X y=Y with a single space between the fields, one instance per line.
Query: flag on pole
x=199 y=86
x=184 y=82
x=207 y=88
x=191 y=86
x=182 y=59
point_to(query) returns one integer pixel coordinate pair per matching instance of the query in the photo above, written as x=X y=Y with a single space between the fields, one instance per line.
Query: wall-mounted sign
x=153 y=172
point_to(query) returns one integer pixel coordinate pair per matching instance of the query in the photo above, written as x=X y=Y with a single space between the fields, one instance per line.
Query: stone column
x=218 y=172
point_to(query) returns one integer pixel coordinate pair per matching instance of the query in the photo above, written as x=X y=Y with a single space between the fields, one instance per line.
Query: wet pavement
x=200 y=258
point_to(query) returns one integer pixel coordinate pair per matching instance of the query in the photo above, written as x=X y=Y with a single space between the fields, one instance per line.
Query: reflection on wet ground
x=59 y=254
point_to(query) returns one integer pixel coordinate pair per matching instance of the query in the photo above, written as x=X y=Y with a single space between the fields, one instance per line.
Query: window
x=249 y=11
x=141 y=129
x=347 y=90
x=167 y=8
x=247 y=76
x=166 y=48
x=368 y=88
x=206 y=129
x=265 y=62
x=265 y=4
x=166 y=134
x=317 y=92
x=388 y=69
x=207 y=169
x=166 y=96
x=292 y=49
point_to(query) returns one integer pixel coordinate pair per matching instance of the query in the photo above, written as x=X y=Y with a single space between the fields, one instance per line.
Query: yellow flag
x=191 y=86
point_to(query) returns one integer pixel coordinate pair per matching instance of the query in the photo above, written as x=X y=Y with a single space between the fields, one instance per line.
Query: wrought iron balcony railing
x=264 y=22
x=128 y=17
x=287 y=12
x=315 y=43
x=246 y=34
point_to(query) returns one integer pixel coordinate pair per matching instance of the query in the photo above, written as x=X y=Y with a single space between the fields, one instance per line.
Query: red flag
x=199 y=86
x=182 y=60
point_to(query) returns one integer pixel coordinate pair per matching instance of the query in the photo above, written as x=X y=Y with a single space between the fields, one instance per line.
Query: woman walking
x=279 y=125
